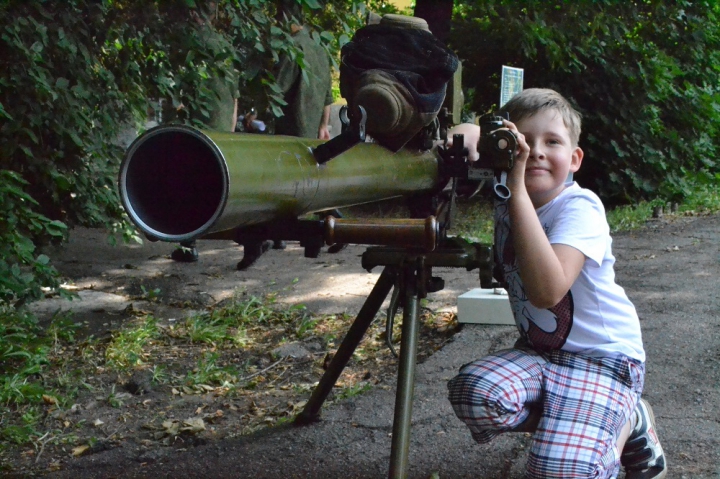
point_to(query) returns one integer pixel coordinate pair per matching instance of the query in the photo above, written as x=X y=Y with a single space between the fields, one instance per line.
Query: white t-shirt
x=595 y=318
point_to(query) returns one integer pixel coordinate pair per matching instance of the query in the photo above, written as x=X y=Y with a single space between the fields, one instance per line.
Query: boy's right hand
x=516 y=178
x=472 y=137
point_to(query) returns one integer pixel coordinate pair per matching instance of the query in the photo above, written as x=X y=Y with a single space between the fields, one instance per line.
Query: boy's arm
x=547 y=271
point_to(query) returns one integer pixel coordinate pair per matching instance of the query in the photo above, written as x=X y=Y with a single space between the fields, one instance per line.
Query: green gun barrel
x=178 y=183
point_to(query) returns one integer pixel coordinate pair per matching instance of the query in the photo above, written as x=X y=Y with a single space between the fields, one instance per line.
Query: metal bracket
x=349 y=137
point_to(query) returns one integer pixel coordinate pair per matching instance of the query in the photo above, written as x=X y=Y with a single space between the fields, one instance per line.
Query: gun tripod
x=411 y=272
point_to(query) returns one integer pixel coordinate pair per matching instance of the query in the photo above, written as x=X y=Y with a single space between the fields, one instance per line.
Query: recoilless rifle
x=179 y=183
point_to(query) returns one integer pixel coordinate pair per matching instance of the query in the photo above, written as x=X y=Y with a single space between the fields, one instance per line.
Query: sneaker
x=643 y=456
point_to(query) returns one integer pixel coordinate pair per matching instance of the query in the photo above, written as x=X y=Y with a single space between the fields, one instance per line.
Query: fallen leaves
x=80 y=450
x=170 y=429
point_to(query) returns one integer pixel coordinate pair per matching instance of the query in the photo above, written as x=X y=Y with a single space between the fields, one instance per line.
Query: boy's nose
x=536 y=152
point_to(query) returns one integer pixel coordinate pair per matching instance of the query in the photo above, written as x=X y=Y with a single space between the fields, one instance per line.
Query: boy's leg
x=587 y=401
x=491 y=395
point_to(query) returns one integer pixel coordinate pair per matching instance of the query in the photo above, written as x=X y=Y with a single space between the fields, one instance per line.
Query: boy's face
x=552 y=155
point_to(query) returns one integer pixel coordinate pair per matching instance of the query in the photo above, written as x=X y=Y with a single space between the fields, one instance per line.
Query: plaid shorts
x=584 y=404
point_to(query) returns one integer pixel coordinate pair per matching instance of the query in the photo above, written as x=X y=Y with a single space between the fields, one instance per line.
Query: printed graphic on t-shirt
x=545 y=329
x=549 y=328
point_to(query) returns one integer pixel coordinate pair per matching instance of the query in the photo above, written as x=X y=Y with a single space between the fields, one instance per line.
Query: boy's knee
x=470 y=387
x=482 y=405
x=470 y=390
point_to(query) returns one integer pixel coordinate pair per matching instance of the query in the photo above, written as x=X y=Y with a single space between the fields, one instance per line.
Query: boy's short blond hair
x=533 y=100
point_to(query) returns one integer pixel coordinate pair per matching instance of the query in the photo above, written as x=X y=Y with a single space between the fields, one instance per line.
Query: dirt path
x=331 y=283
x=670 y=270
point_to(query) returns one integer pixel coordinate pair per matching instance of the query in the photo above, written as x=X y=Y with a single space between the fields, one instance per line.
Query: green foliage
x=702 y=196
x=78 y=79
x=644 y=75
x=23 y=361
x=20 y=344
x=629 y=217
x=473 y=219
x=208 y=372
x=17 y=434
x=23 y=272
x=230 y=321
x=128 y=347
x=65 y=105
x=353 y=391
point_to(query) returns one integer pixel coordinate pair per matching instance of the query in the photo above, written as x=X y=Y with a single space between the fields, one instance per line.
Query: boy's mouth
x=534 y=170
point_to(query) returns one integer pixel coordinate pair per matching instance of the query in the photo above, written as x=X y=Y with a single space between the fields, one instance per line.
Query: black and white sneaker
x=643 y=456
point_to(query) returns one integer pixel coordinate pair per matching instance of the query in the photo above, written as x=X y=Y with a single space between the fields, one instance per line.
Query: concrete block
x=484 y=306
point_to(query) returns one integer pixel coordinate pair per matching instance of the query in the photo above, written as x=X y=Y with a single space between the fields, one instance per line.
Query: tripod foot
x=252 y=251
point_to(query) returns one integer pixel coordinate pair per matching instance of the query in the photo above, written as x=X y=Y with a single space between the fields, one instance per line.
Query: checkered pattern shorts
x=584 y=404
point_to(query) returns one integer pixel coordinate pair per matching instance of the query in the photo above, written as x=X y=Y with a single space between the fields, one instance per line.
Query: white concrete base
x=484 y=306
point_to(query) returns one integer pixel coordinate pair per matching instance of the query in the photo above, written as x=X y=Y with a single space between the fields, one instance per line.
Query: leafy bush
x=23 y=272
x=61 y=109
x=77 y=76
x=643 y=74
x=23 y=353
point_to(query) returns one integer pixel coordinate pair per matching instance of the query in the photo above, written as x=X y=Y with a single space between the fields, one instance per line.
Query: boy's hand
x=472 y=137
x=516 y=177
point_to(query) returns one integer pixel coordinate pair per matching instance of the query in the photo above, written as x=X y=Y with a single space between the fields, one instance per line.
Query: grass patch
x=473 y=220
x=627 y=218
x=209 y=373
x=129 y=346
x=25 y=359
x=702 y=196
x=227 y=355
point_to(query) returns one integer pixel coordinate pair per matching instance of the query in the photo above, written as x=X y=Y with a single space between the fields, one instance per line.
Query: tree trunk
x=437 y=13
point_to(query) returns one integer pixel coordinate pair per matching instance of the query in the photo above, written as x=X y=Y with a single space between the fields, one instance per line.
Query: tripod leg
x=406 y=375
x=353 y=337
x=252 y=250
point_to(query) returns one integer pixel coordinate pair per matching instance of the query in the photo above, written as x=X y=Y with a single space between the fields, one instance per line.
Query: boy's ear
x=576 y=161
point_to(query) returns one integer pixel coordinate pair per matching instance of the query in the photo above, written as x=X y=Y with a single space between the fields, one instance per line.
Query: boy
x=576 y=374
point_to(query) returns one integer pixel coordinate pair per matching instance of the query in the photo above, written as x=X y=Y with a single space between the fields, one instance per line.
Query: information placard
x=511 y=83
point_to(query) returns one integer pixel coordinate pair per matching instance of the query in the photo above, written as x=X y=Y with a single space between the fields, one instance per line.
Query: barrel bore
x=175 y=185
